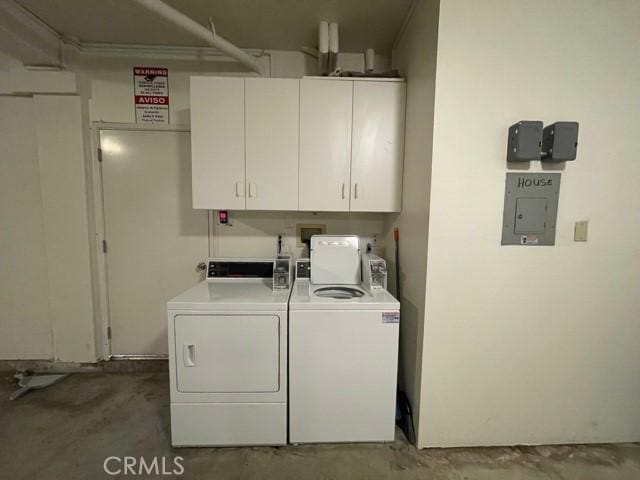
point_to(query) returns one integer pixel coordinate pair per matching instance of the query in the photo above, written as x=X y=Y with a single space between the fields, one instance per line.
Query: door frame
x=103 y=323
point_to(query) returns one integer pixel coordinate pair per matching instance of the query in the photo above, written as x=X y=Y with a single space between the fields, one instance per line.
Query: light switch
x=580 y=231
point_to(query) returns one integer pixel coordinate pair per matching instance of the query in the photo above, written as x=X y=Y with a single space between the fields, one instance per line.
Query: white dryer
x=343 y=349
x=228 y=355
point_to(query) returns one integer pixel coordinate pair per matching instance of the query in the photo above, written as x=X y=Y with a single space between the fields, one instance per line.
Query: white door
x=155 y=239
x=272 y=108
x=227 y=353
x=378 y=146
x=325 y=144
x=217 y=142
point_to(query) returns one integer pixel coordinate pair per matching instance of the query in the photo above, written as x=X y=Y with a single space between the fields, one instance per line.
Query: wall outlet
x=580 y=231
x=223 y=218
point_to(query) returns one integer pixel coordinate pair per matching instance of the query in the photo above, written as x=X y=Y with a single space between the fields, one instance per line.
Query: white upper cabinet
x=325 y=144
x=316 y=144
x=217 y=142
x=377 y=146
x=271 y=143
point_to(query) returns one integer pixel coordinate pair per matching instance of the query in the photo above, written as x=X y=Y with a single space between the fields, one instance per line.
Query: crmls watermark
x=140 y=466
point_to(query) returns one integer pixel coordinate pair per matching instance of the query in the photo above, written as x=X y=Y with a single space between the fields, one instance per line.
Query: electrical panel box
x=525 y=141
x=560 y=142
x=530 y=208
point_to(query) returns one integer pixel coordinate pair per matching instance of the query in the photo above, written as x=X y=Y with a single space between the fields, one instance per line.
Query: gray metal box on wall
x=530 y=208
x=560 y=141
x=524 y=141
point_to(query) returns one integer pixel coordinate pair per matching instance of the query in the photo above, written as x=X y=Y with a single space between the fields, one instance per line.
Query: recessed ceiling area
x=262 y=24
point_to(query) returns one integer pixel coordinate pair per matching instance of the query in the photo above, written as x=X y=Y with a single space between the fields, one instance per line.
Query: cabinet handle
x=238 y=189
x=253 y=190
x=355 y=190
x=343 y=191
x=189 y=355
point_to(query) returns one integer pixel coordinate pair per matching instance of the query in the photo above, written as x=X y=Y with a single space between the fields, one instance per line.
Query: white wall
x=108 y=83
x=415 y=57
x=47 y=309
x=256 y=233
x=533 y=344
x=58 y=126
x=25 y=325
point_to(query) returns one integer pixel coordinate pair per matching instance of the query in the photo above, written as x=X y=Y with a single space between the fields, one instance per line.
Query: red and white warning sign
x=151 y=94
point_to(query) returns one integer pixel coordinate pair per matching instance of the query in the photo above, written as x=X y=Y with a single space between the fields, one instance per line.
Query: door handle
x=355 y=190
x=343 y=191
x=189 y=354
x=253 y=190
x=239 y=189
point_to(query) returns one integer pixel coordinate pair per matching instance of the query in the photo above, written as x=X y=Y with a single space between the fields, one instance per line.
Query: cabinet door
x=272 y=108
x=217 y=142
x=325 y=144
x=227 y=353
x=378 y=146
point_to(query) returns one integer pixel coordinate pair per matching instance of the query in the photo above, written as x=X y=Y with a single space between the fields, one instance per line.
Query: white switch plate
x=580 y=231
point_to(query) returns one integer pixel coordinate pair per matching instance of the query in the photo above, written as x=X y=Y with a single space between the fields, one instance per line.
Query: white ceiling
x=262 y=24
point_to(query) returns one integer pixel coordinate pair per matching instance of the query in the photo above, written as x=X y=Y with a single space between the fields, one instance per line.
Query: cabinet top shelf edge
x=354 y=79
x=310 y=77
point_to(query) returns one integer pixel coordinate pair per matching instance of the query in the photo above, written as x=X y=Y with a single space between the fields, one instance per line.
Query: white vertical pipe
x=323 y=47
x=193 y=27
x=369 y=60
x=333 y=38
x=333 y=46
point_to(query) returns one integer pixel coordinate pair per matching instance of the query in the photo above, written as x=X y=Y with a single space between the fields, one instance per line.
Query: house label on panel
x=151 y=94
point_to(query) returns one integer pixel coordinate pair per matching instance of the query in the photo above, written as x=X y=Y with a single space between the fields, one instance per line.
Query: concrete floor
x=69 y=429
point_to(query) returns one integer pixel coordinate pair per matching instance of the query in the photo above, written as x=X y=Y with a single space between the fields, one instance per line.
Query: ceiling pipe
x=209 y=36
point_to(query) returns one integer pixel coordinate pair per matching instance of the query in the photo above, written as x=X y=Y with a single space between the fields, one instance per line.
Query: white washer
x=228 y=357
x=343 y=359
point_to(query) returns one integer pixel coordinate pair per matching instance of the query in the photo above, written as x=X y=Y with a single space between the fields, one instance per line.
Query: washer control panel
x=303 y=268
